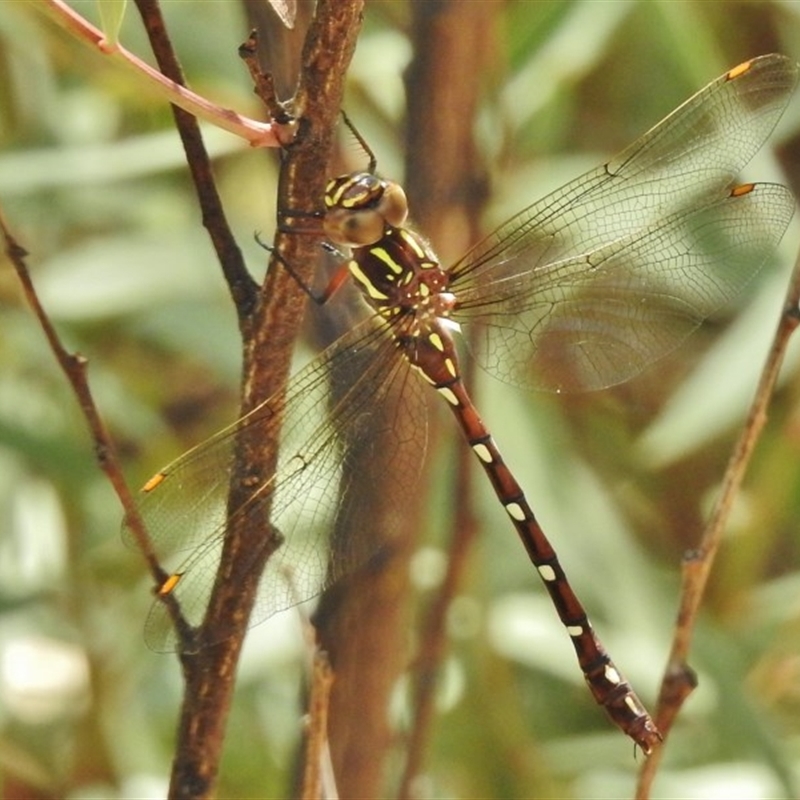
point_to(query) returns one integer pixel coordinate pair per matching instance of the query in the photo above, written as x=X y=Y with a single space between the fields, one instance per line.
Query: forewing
x=627 y=207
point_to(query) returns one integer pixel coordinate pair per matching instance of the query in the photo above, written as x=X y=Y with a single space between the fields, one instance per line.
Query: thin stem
x=679 y=680
x=263 y=83
x=74 y=367
x=241 y=285
x=317 y=774
x=256 y=133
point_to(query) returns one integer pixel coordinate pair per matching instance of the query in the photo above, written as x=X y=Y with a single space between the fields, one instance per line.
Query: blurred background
x=93 y=183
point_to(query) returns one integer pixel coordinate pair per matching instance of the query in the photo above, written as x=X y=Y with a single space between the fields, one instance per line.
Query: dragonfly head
x=360 y=206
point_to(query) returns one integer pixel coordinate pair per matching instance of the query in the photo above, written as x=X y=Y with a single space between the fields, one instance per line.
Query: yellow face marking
x=368 y=285
x=156 y=480
x=353 y=202
x=448 y=395
x=574 y=630
x=383 y=256
x=338 y=197
x=169 y=584
x=334 y=198
x=483 y=453
x=436 y=341
x=547 y=572
x=515 y=512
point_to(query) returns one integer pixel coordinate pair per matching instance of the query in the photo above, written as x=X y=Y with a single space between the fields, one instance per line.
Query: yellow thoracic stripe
x=413 y=243
x=368 y=285
x=384 y=256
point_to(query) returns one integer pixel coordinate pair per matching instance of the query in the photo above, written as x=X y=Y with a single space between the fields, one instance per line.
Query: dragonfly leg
x=337 y=279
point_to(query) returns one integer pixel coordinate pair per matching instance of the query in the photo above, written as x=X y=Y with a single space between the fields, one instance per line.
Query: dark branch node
x=263 y=82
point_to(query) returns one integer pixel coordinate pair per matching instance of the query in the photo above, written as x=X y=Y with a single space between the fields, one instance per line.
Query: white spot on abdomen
x=611 y=675
x=547 y=572
x=483 y=453
x=448 y=395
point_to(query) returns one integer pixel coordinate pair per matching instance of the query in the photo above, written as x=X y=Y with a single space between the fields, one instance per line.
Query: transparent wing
x=623 y=234
x=600 y=318
x=333 y=407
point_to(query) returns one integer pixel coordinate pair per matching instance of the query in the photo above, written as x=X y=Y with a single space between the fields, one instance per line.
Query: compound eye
x=354 y=228
x=393 y=205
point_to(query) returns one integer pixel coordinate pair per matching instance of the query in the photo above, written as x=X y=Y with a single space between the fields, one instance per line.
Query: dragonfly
x=579 y=291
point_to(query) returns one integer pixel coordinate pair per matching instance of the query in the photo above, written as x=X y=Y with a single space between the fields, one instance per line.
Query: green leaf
x=111 y=15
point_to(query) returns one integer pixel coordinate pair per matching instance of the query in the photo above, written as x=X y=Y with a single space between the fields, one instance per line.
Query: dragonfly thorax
x=399 y=275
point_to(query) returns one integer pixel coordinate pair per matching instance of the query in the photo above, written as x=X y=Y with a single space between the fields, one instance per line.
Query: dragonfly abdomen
x=608 y=685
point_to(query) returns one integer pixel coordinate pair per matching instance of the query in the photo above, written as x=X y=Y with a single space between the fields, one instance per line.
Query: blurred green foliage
x=92 y=181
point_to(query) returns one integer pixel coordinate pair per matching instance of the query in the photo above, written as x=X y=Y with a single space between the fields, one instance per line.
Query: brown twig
x=263 y=83
x=74 y=367
x=679 y=680
x=242 y=287
x=280 y=48
x=269 y=320
x=317 y=781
